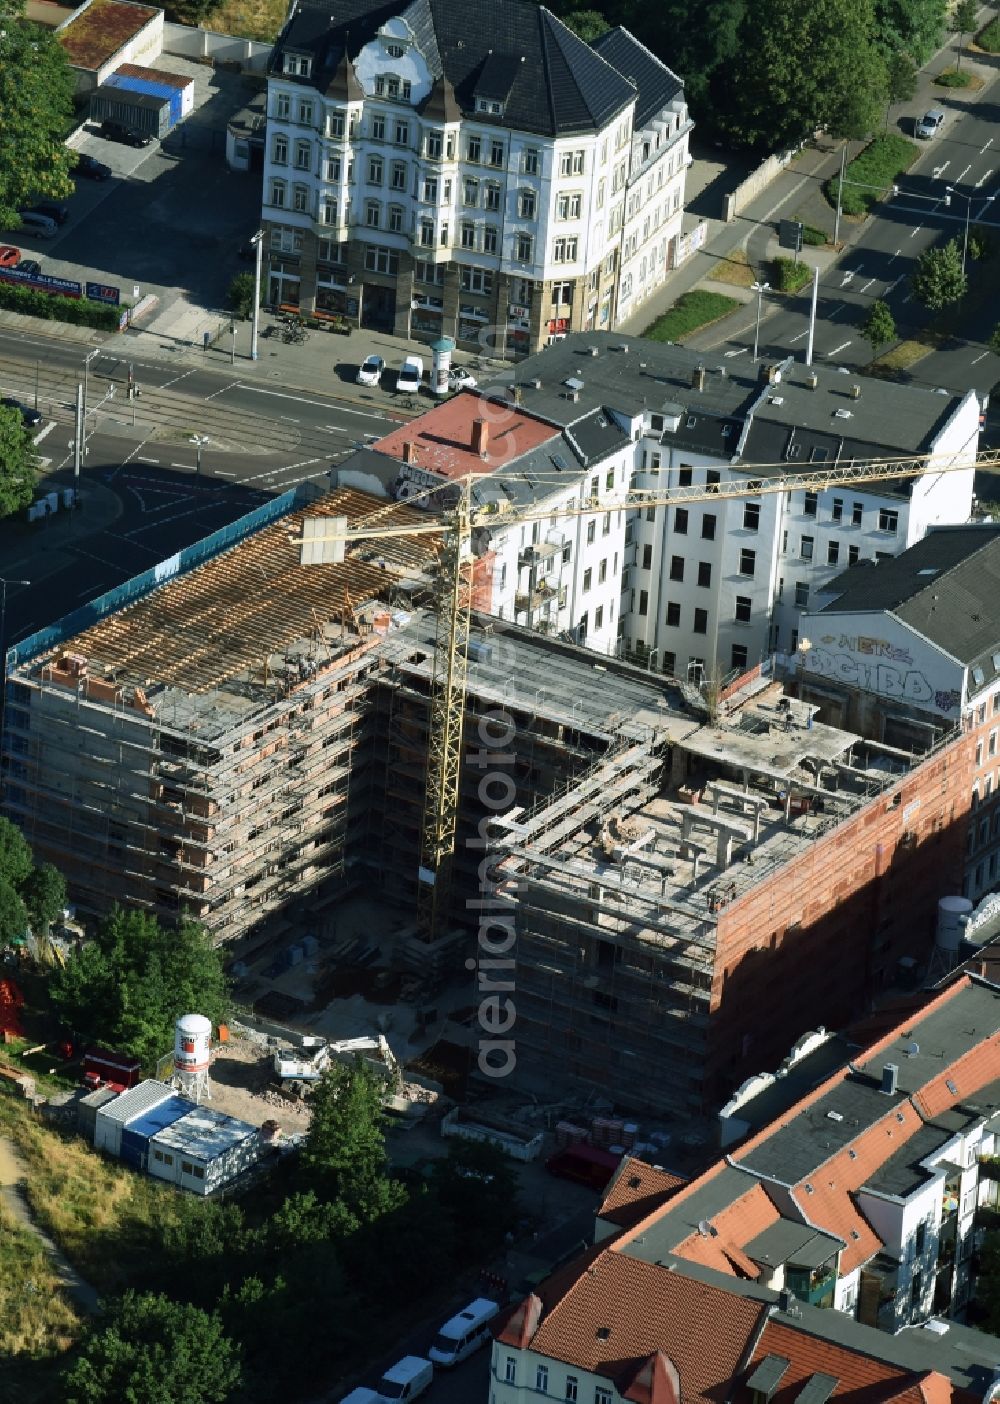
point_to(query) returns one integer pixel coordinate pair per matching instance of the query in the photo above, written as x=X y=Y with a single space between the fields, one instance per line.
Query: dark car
x=29 y=265
x=51 y=208
x=30 y=416
x=117 y=131
x=93 y=170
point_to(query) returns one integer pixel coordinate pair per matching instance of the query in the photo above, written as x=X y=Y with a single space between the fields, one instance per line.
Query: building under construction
x=255 y=731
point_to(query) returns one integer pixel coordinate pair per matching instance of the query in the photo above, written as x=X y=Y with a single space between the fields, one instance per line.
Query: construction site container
x=137 y=1134
x=203 y=1150
x=112 y=1119
x=161 y=81
x=156 y=90
x=141 y=112
x=88 y=1107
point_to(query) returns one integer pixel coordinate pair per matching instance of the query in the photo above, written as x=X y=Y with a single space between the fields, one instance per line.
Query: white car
x=930 y=124
x=461 y=379
x=410 y=376
x=370 y=372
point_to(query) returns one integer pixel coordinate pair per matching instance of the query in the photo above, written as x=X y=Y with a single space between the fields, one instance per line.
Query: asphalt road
x=965 y=156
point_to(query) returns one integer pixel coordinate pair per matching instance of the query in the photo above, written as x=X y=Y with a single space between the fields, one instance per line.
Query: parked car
x=30 y=416
x=118 y=131
x=50 y=208
x=461 y=379
x=9 y=256
x=29 y=265
x=38 y=224
x=410 y=376
x=464 y=1334
x=93 y=170
x=930 y=124
x=370 y=371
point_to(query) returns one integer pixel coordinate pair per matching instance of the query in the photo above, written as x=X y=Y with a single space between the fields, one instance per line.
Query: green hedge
x=989 y=38
x=79 y=311
x=788 y=275
x=873 y=172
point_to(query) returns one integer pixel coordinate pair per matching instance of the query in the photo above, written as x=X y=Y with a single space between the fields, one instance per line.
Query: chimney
x=890 y=1079
x=480 y=436
x=855 y=392
x=784 y=1300
x=515 y=394
x=409 y=451
x=698 y=378
x=773 y=375
x=624 y=348
x=595 y=350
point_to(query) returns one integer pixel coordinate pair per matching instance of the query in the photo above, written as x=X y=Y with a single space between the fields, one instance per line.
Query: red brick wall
x=812 y=944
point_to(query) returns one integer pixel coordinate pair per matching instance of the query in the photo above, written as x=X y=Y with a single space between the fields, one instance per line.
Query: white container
x=952 y=919
x=192 y=1043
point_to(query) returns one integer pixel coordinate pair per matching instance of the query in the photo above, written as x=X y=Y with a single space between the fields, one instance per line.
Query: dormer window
x=395 y=50
x=390 y=85
x=298 y=65
x=495 y=109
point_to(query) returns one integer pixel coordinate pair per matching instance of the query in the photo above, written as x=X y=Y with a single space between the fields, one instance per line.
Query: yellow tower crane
x=326 y=539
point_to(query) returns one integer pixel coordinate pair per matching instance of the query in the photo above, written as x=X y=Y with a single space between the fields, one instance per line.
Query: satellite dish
x=705 y=1228
x=912 y=1049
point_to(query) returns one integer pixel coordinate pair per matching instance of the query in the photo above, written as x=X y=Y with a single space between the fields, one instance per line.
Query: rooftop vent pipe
x=890 y=1079
x=698 y=379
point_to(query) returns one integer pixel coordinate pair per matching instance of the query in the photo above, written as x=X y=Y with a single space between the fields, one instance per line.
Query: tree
x=901 y=81
x=130 y=984
x=13 y=917
x=964 y=22
x=44 y=894
x=879 y=326
x=15 y=855
x=938 y=279
x=239 y=297
x=151 y=1350
x=344 y=1153
x=17 y=452
x=915 y=27
x=36 y=111
x=477 y=1187
x=810 y=64
x=588 y=24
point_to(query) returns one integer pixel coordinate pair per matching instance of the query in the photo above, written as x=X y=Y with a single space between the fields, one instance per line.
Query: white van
x=411 y=374
x=407 y=1379
x=464 y=1334
x=41 y=225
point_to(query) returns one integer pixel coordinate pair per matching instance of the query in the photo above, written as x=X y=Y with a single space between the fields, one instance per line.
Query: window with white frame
x=285 y=239
x=335 y=124
x=526 y=204
x=381 y=260
x=496 y=153
x=568 y=207
x=523 y=248
x=510 y=1369
x=305 y=114
x=474 y=149
x=278 y=189
x=279 y=150
x=564 y=251
x=476 y=280
x=402 y=134
x=470 y=191
x=376 y=168
x=431 y=189
x=529 y=162
x=888 y=519
x=491 y=239
x=373 y=214
x=282 y=107
x=491 y=195
x=298 y=65
x=328 y=211
x=542 y=1379
x=467 y=234
x=572 y=1384
x=427 y=233
x=396 y=218
x=397 y=178
x=303 y=155
x=300 y=198
x=331 y=168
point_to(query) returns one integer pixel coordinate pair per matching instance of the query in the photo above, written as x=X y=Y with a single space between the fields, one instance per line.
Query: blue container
x=143 y=85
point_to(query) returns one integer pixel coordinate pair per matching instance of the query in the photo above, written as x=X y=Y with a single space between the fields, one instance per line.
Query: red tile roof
x=865 y=1380
x=636 y=1190
x=967 y=1075
x=609 y=1312
x=734 y=1226
x=828 y=1202
x=443 y=437
x=101 y=30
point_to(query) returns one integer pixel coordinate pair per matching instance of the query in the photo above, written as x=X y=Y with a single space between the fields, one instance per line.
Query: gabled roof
x=636 y=1189
x=946 y=587
x=593 y=1324
x=720 y=1242
x=856 y=1373
x=657 y=85
x=514 y=52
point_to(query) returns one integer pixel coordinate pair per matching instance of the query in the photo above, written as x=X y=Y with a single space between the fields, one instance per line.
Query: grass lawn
x=901 y=357
x=249 y=19
x=875 y=168
x=733 y=269
x=988 y=38
x=694 y=309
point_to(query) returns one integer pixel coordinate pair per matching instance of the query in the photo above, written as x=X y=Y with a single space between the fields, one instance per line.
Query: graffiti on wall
x=876 y=665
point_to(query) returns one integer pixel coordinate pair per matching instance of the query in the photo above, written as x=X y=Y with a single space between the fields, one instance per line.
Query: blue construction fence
x=141 y=585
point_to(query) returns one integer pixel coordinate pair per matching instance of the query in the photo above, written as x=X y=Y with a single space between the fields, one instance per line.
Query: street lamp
x=257 y=240
x=760 y=289
x=988 y=200
x=199 y=441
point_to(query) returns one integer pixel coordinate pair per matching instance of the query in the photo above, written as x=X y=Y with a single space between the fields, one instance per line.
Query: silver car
x=930 y=124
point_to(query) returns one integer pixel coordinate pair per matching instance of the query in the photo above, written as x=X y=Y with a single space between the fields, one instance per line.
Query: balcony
x=537 y=554
x=527 y=601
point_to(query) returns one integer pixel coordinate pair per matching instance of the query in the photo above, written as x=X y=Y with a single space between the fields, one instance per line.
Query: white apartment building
x=476 y=172
x=724 y=583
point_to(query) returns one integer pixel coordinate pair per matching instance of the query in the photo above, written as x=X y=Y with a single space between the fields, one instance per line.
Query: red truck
x=587 y=1165
x=104 y=1068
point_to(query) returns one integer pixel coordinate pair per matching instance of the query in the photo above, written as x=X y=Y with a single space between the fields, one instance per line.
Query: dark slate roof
x=681 y=1217
x=513 y=51
x=631 y=374
x=903 y=1172
x=657 y=85
x=596 y=435
x=946 y=587
x=788 y=1241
